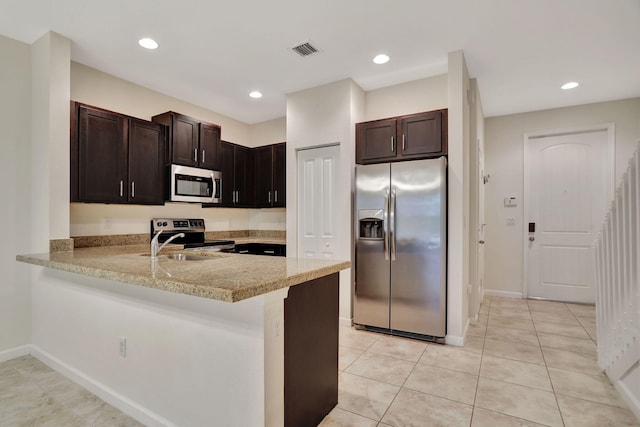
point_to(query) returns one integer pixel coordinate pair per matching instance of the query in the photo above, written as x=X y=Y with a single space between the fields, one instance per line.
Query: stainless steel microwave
x=195 y=185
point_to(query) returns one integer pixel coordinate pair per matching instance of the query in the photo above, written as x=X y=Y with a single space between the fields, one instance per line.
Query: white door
x=481 y=226
x=567 y=198
x=318 y=169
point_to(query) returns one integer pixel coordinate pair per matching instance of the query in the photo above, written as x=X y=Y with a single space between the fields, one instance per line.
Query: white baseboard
x=504 y=294
x=345 y=321
x=141 y=414
x=454 y=340
x=629 y=398
x=12 y=353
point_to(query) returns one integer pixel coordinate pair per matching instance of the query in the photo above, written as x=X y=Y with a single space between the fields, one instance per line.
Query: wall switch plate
x=511 y=221
x=510 y=201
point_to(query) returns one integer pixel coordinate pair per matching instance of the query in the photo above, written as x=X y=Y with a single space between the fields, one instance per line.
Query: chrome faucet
x=155 y=250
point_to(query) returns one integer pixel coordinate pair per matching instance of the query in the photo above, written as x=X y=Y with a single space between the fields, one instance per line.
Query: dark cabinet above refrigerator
x=411 y=137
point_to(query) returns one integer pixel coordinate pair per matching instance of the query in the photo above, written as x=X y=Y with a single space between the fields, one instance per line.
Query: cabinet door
x=376 y=141
x=421 y=134
x=280 y=175
x=184 y=140
x=227 y=168
x=263 y=158
x=243 y=175
x=102 y=156
x=146 y=170
x=209 y=146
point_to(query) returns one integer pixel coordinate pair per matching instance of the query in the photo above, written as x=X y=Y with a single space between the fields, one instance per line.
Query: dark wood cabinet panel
x=236 y=165
x=376 y=140
x=264 y=176
x=421 y=134
x=280 y=175
x=191 y=141
x=270 y=175
x=415 y=136
x=243 y=176
x=146 y=162
x=209 y=146
x=101 y=156
x=115 y=158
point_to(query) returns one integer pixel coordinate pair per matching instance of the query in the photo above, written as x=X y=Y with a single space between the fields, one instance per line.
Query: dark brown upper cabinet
x=236 y=165
x=191 y=141
x=270 y=175
x=115 y=158
x=415 y=136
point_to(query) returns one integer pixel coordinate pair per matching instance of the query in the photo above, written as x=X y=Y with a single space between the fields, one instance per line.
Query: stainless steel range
x=194 y=234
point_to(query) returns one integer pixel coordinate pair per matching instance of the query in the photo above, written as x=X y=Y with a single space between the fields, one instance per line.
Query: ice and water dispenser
x=370 y=224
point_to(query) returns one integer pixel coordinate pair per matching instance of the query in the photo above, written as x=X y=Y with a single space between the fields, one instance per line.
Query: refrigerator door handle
x=392 y=225
x=385 y=225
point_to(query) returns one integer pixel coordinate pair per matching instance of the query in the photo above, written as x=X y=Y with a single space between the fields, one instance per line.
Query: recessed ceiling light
x=255 y=94
x=381 y=59
x=570 y=85
x=148 y=43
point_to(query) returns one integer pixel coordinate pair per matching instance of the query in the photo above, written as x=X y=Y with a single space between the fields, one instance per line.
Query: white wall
x=458 y=189
x=504 y=162
x=106 y=91
x=426 y=94
x=15 y=122
x=320 y=116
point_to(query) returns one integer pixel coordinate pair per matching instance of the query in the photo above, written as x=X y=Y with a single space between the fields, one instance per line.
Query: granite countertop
x=224 y=277
x=268 y=240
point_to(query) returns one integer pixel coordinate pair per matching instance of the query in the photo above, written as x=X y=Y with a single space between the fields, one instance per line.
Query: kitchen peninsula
x=250 y=340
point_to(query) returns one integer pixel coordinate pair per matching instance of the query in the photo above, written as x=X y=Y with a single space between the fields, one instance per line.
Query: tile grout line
x=484 y=339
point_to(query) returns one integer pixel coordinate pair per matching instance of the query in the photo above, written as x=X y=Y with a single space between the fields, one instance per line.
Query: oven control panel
x=177 y=224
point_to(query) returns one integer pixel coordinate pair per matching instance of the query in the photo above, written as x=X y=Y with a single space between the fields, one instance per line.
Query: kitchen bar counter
x=224 y=277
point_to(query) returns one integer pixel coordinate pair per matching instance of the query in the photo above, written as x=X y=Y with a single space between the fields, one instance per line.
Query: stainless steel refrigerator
x=400 y=245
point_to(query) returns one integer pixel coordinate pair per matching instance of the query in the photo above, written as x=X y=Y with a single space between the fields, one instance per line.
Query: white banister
x=617 y=256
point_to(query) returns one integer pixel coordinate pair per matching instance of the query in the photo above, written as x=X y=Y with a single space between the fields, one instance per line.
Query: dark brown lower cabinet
x=311 y=351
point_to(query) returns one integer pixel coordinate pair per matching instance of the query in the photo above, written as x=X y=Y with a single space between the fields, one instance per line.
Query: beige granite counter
x=224 y=277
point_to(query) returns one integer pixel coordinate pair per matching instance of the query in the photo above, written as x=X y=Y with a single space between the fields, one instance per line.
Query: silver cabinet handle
x=121 y=187
x=392 y=145
x=202 y=156
x=269 y=197
x=403 y=142
x=385 y=225
x=133 y=189
x=195 y=154
x=276 y=196
x=392 y=225
x=269 y=252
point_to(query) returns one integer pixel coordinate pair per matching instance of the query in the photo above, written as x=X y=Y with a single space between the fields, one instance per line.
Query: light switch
x=510 y=201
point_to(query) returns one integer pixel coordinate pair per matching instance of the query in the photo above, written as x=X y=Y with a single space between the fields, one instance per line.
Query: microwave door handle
x=202 y=156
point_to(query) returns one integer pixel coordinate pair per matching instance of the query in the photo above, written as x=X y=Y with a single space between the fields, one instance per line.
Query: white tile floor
x=527 y=363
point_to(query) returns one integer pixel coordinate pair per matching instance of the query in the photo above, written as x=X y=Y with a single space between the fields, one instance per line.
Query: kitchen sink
x=183 y=257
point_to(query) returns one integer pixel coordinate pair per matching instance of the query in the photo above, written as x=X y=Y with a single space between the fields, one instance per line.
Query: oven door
x=195 y=185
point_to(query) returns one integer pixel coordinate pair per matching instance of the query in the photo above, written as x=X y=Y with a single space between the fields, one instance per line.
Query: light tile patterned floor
x=31 y=394
x=526 y=363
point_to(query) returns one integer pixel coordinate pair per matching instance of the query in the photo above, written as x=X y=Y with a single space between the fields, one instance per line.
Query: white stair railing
x=617 y=278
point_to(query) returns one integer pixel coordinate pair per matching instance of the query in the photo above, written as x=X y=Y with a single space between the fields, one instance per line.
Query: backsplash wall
x=88 y=219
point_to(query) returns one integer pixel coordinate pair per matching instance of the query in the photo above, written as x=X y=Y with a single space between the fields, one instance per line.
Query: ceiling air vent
x=305 y=49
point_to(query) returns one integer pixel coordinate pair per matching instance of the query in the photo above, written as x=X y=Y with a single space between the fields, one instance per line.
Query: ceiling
x=213 y=53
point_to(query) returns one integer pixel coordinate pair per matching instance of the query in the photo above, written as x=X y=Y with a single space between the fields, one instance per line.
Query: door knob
x=531 y=238
x=481 y=242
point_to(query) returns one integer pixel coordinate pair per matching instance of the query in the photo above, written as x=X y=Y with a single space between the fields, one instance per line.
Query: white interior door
x=318 y=169
x=481 y=226
x=567 y=198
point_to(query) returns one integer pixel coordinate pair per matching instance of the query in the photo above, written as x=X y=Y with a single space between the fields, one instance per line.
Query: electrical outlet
x=107 y=223
x=123 y=347
x=511 y=221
